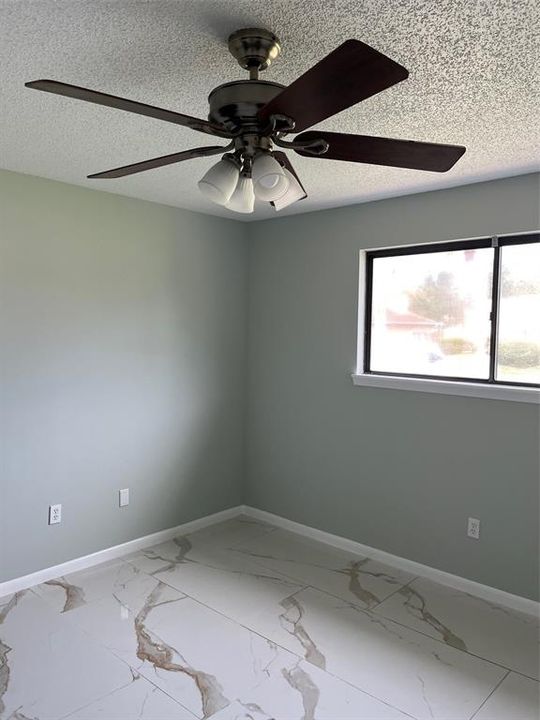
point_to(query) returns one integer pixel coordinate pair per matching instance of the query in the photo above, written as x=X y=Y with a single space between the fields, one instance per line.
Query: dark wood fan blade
x=99 y=98
x=284 y=161
x=159 y=162
x=351 y=73
x=385 y=151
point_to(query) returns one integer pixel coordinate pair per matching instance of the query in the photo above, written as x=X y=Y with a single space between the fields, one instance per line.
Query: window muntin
x=451 y=311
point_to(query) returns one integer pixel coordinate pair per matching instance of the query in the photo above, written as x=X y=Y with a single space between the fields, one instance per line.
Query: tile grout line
x=376 y=610
x=282 y=647
x=234 y=620
x=497 y=686
x=465 y=652
x=338 y=677
x=286 y=576
x=367 y=611
x=377 y=605
x=152 y=683
x=293 y=652
x=349 y=602
x=107 y=649
x=303 y=587
x=436 y=575
x=123 y=687
x=102 y=697
x=269 y=640
x=99 y=642
x=299 y=580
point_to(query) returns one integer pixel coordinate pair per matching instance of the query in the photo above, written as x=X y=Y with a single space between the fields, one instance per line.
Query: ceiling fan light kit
x=243 y=198
x=219 y=183
x=269 y=179
x=256 y=115
x=295 y=192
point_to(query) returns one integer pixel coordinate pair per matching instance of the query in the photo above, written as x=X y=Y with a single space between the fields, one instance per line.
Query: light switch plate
x=123 y=497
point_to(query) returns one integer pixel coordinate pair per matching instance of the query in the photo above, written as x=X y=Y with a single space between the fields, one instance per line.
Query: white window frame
x=427 y=385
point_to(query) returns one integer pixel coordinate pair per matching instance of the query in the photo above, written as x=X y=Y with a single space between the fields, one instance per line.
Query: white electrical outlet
x=473 y=528
x=55 y=514
x=123 y=497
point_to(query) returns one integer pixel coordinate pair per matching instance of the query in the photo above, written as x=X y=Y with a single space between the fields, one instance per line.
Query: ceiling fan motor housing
x=235 y=105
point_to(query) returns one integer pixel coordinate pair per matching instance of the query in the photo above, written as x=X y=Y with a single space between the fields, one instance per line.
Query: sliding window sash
x=495 y=242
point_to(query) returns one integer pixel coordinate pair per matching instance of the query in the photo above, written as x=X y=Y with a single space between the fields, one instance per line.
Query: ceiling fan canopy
x=256 y=115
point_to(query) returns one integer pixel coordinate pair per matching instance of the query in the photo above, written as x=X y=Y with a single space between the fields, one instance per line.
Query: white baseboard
x=471 y=587
x=486 y=592
x=87 y=561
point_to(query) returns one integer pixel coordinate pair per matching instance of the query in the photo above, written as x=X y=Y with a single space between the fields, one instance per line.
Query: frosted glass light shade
x=269 y=180
x=294 y=192
x=243 y=198
x=219 y=182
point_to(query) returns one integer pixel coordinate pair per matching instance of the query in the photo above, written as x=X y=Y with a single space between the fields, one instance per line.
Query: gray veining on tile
x=516 y=698
x=238 y=711
x=140 y=700
x=71 y=591
x=231 y=533
x=301 y=681
x=162 y=656
x=485 y=629
x=52 y=667
x=201 y=659
x=8 y=602
x=7 y=605
x=300 y=691
x=413 y=599
x=216 y=538
x=217 y=576
x=113 y=624
x=162 y=557
x=220 y=624
x=429 y=679
x=181 y=646
x=74 y=594
x=291 y=622
x=343 y=574
x=18 y=715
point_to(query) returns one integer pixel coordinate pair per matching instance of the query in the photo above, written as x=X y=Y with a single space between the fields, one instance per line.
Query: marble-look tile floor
x=243 y=621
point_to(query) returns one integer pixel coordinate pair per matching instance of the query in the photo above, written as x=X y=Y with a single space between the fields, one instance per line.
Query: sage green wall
x=122 y=364
x=400 y=471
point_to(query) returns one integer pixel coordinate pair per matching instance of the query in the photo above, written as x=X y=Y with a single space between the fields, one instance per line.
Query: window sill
x=446 y=387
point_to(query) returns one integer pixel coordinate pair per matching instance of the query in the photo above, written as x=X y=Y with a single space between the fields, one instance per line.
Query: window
x=463 y=312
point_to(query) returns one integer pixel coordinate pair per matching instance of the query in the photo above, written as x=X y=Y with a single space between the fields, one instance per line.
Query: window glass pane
x=430 y=313
x=518 y=356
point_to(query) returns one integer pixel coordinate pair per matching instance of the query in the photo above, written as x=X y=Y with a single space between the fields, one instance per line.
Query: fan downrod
x=254 y=49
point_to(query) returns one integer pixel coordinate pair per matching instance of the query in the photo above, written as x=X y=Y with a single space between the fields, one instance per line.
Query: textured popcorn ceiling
x=473 y=81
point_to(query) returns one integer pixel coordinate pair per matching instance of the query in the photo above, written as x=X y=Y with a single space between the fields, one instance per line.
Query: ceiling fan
x=255 y=115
